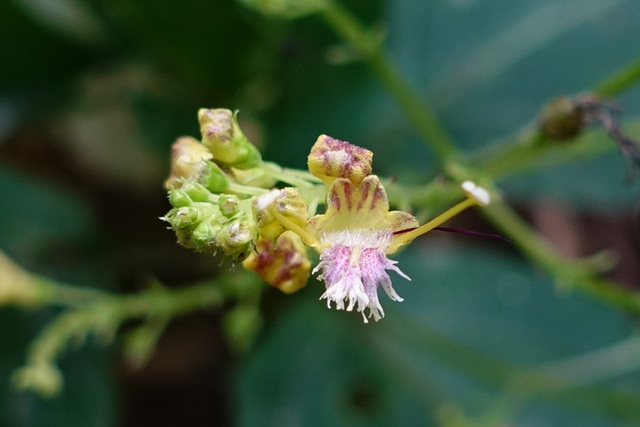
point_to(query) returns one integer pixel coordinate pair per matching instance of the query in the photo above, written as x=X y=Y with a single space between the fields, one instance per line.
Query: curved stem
x=620 y=80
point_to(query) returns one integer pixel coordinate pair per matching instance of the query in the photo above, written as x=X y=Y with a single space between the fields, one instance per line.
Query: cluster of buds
x=211 y=211
x=271 y=229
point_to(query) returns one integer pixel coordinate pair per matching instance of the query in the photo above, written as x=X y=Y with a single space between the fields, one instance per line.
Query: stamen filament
x=401 y=239
x=306 y=237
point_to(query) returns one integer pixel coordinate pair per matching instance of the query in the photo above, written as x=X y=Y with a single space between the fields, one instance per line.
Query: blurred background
x=94 y=92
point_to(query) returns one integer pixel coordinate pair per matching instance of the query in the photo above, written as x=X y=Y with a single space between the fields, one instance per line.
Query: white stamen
x=266 y=200
x=476 y=192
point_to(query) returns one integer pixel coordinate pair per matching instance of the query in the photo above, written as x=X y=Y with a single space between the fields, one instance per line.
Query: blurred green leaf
x=87 y=399
x=462 y=304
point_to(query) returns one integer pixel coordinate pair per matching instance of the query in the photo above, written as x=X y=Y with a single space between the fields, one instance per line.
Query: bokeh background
x=93 y=93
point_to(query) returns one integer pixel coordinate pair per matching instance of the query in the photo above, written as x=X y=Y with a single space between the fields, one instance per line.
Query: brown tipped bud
x=283 y=264
x=186 y=152
x=222 y=135
x=331 y=158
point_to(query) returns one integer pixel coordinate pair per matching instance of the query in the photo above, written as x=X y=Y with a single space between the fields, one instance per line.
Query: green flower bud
x=210 y=176
x=187 y=217
x=204 y=235
x=196 y=192
x=179 y=198
x=17 y=286
x=222 y=135
x=185 y=238
x=183 y=218
x=238 y=238
x=42 y=377
x=229 y=205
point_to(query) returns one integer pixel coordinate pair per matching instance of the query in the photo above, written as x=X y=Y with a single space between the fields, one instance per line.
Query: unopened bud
x=186 y=152
x=222 y=135
x=331 y=158
x=283 y=264
x=237 y=239
x=184 y=217
x=204 y=235
x=562 y=118
x=196 y=192
x=210 y=176
x=179 y=198
x=43 y=378
x=17 y=287
x=229 y=205
x=288 y=202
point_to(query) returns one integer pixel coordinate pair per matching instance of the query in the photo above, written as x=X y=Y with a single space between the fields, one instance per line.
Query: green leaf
x=473 y=320
x=87 y=399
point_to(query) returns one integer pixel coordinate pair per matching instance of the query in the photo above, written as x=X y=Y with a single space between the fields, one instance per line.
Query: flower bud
x=185 y=238
x=204 y=235
x=179 y=198
x=210 y=176
x=331 y=158
x=195 y=191
x=183 y=218
x=222 y=135
x=289 y=203
x=229 y=205
x=190 y=216
x=17 y=287
x=185 y=153
x=237 y=239
x=562 y=119
x=283 y=264
x=44 y=378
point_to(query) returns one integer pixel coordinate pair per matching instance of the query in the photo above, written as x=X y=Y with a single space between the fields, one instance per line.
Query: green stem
x=295 y=177
x=68 y=295
x=104 y=315
x=247 y=190
x=417 y=111
x=620 y=80
x=617 y=360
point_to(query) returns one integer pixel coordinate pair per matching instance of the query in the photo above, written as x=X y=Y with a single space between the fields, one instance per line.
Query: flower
x=358 y=231
x=281 y=262
x=354 y=237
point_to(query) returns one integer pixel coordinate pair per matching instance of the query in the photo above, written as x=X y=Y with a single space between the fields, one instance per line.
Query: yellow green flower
x=357 y=231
